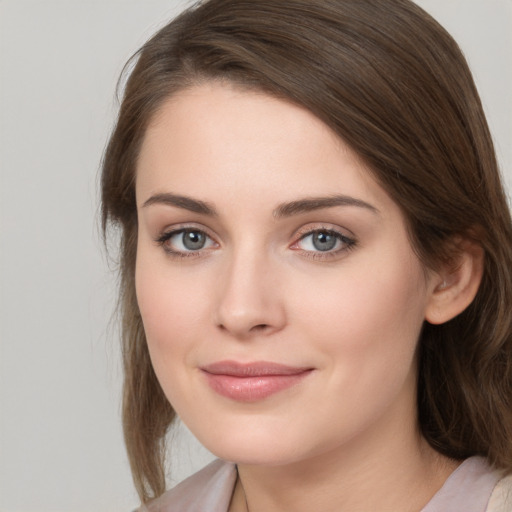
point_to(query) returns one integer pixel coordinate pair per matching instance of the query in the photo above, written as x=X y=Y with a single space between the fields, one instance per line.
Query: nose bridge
x=249 y=300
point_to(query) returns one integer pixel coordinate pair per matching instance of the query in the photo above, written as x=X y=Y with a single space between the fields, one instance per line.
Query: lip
x=251 y=382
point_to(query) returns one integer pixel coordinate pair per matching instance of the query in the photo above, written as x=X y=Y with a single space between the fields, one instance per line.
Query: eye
x=185 y=242
x=326 y=241
x=320 y=241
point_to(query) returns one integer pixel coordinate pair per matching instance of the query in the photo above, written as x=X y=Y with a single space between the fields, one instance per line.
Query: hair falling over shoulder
x=392 y=83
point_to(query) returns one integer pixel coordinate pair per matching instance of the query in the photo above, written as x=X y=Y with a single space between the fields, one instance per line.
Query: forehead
x=221 y=138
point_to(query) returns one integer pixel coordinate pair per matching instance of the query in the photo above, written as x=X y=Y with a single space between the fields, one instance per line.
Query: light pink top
x=472 y=487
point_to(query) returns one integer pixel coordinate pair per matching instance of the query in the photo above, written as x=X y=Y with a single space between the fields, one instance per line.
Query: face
x=281 y=299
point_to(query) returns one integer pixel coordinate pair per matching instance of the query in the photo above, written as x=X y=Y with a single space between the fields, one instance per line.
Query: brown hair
x=394 y=85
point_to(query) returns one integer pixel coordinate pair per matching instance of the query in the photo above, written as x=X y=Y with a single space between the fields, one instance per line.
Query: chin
x=256 y=455
x=252 y=444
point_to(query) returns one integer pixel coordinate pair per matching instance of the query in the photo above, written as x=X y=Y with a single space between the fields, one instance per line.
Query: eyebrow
x=288 y=209
x=317 y=203
x=187 y=203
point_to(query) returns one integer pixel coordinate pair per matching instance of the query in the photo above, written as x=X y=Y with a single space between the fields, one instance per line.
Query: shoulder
x=208 y=489
x=501 y=497
x=469 y=488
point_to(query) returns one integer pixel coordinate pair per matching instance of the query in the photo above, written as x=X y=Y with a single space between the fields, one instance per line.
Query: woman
x=315 y=262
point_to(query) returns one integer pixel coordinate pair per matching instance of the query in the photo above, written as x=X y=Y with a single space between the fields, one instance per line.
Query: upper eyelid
x=181 y=227
x=347 y=239
x=316 y=227
x=167 y=234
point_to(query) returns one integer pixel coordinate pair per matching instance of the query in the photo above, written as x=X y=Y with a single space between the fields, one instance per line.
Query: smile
x=251 y=382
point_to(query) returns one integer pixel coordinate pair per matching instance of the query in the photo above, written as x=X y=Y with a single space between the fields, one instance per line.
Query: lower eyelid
x=347 y=244
x=328 y=255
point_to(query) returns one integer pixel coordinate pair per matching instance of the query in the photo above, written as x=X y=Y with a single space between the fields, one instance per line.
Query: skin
x=344 y=438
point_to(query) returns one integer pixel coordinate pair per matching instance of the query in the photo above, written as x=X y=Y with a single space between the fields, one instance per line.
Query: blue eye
x=191 y=240
x=326 y=241
x=183 y=241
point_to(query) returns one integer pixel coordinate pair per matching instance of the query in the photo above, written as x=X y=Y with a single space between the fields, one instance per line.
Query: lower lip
x=254 y=388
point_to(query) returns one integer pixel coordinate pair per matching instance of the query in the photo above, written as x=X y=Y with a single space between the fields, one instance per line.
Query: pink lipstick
x=250 y=382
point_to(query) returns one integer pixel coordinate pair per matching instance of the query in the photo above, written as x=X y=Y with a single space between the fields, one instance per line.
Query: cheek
x=169 y=318
x=167 y=295
x=170 y=311
x=159 y=309
x=368 y=320
x=366 y=327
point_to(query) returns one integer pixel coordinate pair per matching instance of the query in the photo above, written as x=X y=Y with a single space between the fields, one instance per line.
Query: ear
x=455 y=286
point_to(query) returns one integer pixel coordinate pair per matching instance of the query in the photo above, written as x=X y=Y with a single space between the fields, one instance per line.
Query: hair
x=394 y=85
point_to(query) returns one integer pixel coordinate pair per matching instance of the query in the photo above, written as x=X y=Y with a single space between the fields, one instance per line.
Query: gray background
x=60 y=437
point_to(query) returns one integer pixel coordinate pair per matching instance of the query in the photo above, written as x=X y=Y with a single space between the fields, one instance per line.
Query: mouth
x=251 y=382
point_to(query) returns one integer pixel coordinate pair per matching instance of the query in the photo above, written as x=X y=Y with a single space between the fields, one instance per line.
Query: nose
x=249 y=300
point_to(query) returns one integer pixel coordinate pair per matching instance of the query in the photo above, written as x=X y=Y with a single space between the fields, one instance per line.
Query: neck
x=398 y=473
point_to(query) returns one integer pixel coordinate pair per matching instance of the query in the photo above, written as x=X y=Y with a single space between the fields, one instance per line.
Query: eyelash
x=166 y=236
x=347 y=243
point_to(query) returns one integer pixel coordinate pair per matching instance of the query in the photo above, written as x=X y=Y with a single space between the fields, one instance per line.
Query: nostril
x=259 y=327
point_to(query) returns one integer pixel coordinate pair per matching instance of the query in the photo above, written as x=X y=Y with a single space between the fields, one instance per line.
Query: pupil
x=193 y=240
x=324 y=241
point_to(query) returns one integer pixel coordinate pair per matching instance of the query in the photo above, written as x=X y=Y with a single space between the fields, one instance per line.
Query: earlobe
x=455 y=287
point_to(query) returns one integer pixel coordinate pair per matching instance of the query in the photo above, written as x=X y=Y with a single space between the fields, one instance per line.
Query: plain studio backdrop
x=61 y=447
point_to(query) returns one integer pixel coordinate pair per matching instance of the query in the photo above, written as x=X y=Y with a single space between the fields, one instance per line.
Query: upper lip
x=253 y=369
